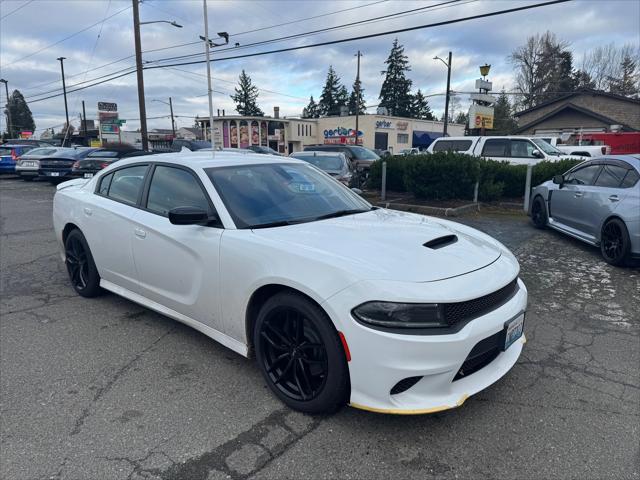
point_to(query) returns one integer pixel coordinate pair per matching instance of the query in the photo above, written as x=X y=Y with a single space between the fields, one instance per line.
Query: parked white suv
x=514 y=149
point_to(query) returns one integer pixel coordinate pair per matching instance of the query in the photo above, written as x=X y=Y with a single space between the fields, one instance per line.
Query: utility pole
x=209 y=91
x=358 y=95
x=173 y=123
x=84 y=123
x=9 y=122
x=64 y=91
x=141 y=105
x=446 y=101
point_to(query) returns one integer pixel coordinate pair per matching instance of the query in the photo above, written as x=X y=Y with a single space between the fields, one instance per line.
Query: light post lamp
x=170 y=103
x=136 y=36
x=9 y=122
x=446 y=101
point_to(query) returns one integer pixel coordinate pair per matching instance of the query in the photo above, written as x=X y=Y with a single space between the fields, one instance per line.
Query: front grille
x=463 y=311
x=404 y=385
x=481 y=355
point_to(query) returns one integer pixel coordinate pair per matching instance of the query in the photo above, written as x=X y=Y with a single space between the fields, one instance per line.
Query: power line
x=372 y=35
x=327 y=29
x=67 y=38
x=83 y=88
x=16 y=9
x=80 y=83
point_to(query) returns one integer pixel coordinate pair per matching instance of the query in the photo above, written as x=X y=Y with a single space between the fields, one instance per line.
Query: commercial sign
x=25 y=135
x=107 y=107
x=109 y=128
x=480 y=116
x=341 y=132
x=402 y=125
x=384 y=124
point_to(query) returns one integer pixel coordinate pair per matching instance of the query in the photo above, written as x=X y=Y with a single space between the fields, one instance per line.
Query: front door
x=177 y=264
x=567 y=204
x=381 y=141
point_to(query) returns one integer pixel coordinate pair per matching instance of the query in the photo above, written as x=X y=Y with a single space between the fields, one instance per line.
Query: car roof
x=14 y=145
x=204 y=159
x=314 y=153
x=633 y=160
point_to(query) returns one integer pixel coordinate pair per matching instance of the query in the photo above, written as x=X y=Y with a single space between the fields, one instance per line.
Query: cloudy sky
x=96 y=37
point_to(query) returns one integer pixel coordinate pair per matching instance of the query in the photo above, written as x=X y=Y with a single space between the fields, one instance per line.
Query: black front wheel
x=615 y=244
x=80 y=265
x=539 y=213
x=300 y=354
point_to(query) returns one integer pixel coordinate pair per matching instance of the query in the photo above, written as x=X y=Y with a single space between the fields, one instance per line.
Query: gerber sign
x=384 y=124
x=341 y=132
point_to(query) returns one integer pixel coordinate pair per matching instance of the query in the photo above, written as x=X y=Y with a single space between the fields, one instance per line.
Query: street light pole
x=9 y=122
x=209 y=91
x=173 y=123
x=358 y=95
x=141 y=104
x=64 y=91
x=448 y=94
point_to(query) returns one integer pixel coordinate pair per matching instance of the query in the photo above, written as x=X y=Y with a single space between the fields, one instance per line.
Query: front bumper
x=26 y=171
x=379 y=360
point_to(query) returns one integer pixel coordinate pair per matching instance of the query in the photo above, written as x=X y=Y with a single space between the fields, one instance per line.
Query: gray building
x=586 y=111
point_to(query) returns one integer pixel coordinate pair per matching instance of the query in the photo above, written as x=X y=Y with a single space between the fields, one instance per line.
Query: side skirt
x=572 y=232
x=212 y=333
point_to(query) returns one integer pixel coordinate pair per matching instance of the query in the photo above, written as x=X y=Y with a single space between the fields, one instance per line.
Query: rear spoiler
x=76 y=182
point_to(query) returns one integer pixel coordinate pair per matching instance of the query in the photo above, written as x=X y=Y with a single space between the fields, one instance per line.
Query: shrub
x=544 y=171
x=441 y=175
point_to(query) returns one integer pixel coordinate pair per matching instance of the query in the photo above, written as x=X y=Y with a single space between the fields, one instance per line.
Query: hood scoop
x=441 y=242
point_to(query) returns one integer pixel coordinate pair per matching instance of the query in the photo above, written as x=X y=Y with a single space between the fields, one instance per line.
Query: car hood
x=390 y=245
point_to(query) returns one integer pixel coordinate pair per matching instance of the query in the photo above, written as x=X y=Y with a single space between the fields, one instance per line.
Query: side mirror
x=537 y=154
x=357 y=191
x=189 y=216
x=558 y=180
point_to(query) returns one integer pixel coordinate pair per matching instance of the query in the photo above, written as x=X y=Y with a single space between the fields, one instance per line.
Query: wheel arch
x=67 y=230
x=258 y=299
x=613 y=216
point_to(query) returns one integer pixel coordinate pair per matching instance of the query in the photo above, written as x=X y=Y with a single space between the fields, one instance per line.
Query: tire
x=539 y=216
x=80 y=265
x=305 y=368
x=615 y=244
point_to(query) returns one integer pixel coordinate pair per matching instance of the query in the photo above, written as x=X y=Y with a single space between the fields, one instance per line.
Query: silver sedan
x=598 y=202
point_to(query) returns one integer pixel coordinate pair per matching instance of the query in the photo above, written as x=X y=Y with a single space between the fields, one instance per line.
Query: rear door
x=110 y=218
x=495 y=149
x=566 y=202
x=602 y=198
x=177 y=264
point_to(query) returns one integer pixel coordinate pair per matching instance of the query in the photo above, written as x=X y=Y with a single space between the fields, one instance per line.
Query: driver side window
x=174 y=187
x=582 y=176
x=522 y=149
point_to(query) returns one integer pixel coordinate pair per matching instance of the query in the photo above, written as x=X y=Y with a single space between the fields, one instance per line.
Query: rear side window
x=103 y=189
x=495 y=148
x=611 y=176
x=583 y=176
x=630 y=179
x=127 y=183
x=453 y=145
x=174 y=187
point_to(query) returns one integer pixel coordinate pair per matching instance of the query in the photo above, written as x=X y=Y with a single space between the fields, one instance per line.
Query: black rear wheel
x=300 y=354
x=539 y=213
x=615 y=244
x=80 y=265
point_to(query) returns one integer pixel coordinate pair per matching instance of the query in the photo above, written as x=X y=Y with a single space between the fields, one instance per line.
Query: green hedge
x=449 y=175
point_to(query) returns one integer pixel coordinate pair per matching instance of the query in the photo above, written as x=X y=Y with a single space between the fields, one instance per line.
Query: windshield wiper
x=342 y=213
x=279 y=223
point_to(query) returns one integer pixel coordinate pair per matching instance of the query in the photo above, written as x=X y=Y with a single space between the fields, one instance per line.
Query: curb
x=426 y=210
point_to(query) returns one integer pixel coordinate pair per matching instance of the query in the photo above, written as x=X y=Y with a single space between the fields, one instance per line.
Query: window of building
x=403 y=138
x=298 y=129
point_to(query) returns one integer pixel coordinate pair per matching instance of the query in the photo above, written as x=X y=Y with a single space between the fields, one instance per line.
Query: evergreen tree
x=333 y=96
x=627 y=83
x=462 y=118
x=246 y=96
x=583 y=80
x=420 y=107
x=503 y=121
x=356 y=99
x=21 y=117
x=343 y=99
x=395 y=94
x=311 y=110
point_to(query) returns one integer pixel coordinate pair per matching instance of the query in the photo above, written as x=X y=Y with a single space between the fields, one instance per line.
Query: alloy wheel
x=77 y=263
x=612 y=240
x=295 y=358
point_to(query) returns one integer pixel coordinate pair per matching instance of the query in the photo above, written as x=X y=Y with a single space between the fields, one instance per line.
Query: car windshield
x=103 y=154
x=5 y=151
x=41 y=151
x=328 y=163
x=546 y=147
x=362 y=153
x=66 y=153
x=277 y=194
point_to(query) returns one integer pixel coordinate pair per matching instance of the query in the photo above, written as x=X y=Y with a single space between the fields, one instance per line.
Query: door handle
x=578 y=194
x=88 y=211
x=614 y=198
x=140 y=233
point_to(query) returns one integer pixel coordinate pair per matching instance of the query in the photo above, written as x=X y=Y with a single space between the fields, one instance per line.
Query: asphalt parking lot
x=105 y=389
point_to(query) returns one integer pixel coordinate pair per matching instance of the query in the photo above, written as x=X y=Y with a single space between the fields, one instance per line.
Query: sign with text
x=384 y=124
x=107 y=107
x=480 y=116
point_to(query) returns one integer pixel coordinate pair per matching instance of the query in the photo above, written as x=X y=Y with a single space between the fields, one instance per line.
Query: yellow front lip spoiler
x=420 y=411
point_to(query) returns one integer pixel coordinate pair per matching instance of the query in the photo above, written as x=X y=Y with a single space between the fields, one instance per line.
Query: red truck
x=622 y=143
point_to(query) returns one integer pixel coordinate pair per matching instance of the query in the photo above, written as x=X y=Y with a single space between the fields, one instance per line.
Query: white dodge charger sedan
x=340 y=302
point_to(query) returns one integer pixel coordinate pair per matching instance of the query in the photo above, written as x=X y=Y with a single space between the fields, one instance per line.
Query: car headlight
x=401 y=315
